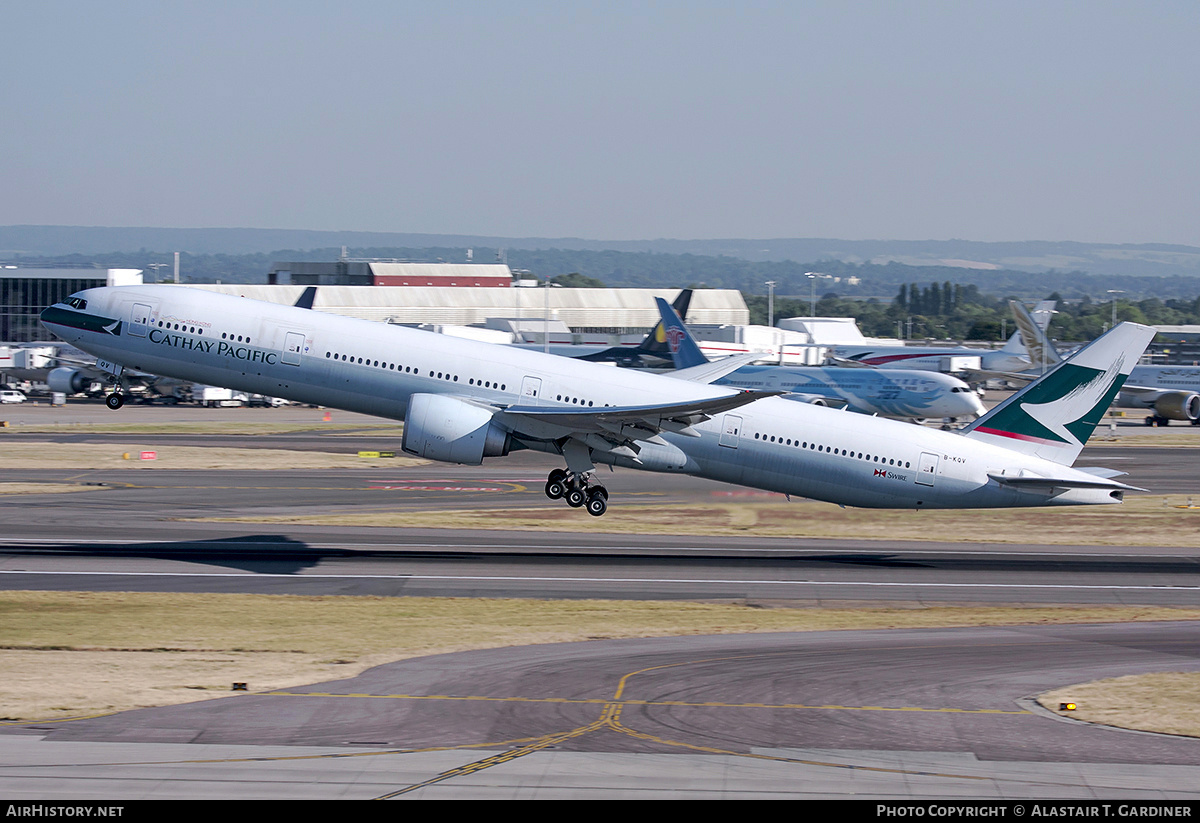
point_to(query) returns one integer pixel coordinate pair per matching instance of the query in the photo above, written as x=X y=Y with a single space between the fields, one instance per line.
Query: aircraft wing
x=658 y=418
x=847 y=363
x=831 y=402
x=617 y=428
x=1128 y=389
x=708 y=372
x=1015 y=377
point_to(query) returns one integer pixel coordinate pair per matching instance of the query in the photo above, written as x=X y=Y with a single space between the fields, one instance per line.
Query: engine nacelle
x=811 y=399
x=1178 y=405
x=444 y=428
x=68 y=381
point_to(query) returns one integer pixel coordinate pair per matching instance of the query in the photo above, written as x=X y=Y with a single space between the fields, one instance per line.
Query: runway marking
x=440 y=488
x=610 y=719
x=649 y=580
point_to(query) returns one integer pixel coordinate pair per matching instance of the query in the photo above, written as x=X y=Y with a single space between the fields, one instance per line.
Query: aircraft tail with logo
x=1054 y=416
x=685 y=352
x=653 y=345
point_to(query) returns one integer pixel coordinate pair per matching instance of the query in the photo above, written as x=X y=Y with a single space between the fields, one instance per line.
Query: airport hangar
x=402 y=293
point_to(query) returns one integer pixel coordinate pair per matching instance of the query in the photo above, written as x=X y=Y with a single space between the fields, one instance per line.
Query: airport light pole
x=812 y=290
x=770 y=302
x=1114 y=292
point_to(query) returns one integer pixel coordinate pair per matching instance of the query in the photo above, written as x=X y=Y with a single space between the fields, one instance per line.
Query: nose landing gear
x=577 y=491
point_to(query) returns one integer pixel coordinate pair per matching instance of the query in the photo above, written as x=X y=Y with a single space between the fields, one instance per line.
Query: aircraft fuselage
x=373 y=368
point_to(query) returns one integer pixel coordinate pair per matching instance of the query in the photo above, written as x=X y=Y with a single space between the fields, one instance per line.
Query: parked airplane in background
x=1013 y=357
x=463 y=401
x=1168 y=392
x=652 y=350
x=900 y=393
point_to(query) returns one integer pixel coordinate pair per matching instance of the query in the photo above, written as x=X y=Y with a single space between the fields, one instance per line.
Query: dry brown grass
x=37 y=455
x=1166 y=702
x=79 y=653
x=43 y=488
x=1140 y=521
x=225 y=427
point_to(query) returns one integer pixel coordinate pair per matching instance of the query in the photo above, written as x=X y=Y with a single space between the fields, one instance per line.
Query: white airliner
x=463 y=401
x=900 y=393
x=1168 y=392
x=1013 y=357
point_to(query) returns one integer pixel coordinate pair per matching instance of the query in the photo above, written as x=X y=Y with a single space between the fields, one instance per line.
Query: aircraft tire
x=576 y=498
x=555 y=489
x=114 y=401
x=597 y=503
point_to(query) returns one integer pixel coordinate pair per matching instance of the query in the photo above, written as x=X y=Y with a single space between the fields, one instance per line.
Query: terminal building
x=26 y=290
x=346 y=272
x=594 y=314
x=466 y=299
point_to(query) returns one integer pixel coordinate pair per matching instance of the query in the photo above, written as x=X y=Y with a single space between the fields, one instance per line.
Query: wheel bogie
x=578 y=493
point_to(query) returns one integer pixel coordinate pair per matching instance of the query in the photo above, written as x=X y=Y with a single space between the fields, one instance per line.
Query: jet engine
x=444 y=428
x=1178 y=405
x=68 y=381
x=813 y=399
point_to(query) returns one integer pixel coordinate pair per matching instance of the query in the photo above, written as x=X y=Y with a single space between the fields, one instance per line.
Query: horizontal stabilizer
x=1100 y=471
x=1034 y=482
x=847 y=363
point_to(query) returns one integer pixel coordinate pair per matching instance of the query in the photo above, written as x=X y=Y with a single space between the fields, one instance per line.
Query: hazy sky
x=1003 y=120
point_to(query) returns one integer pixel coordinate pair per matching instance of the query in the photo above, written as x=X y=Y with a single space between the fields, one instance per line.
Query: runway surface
x=900 y=714
x=137 y=532
x=909 y=714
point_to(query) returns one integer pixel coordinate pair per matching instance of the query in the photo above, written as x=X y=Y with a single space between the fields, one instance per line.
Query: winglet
x=1054 y=416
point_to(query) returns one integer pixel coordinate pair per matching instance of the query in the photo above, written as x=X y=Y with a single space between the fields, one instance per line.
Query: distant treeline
x=649 y=270
x=888 y=299
x=961 y=312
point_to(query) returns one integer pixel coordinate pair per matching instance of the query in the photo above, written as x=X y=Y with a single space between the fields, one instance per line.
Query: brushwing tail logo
x=1051 y=412
x=1095 y=396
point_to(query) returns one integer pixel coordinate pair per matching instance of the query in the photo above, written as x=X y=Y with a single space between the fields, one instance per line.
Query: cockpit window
x=76 y=303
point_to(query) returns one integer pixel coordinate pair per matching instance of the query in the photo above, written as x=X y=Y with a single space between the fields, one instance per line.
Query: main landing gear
x=577 y=491
x=115 y=401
